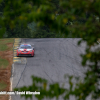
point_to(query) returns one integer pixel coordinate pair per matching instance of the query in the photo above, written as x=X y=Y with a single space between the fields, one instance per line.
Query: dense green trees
x=74 y=18
x=43 y=32
x=18 y=31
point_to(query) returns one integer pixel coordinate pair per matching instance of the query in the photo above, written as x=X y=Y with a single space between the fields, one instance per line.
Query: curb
x=16 y=43
x=11 y=79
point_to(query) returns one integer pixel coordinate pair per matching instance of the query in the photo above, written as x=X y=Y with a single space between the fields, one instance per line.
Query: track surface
x=53 y=58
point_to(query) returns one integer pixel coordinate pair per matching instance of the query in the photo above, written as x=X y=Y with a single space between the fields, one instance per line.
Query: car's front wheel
x=32 y=55
x=17 y=55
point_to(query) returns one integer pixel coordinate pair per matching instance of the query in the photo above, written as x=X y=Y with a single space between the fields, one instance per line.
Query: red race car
x=25 y=50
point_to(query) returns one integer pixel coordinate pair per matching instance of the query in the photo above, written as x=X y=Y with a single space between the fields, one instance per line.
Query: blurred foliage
x=18 y=31
x=44 y=32
x=74 y=18
x=30 y=31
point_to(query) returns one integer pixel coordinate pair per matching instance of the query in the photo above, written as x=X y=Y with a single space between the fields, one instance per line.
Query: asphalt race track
x=53 y=58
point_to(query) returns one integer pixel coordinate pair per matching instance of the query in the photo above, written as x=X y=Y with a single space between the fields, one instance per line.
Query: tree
x=44 y=32
x=56 y=16
x=18 y=31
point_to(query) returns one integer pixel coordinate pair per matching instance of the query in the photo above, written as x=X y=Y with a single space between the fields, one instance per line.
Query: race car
x=25 y=50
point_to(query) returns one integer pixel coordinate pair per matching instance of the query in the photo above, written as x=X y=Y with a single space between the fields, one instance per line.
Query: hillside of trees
x=58 y=18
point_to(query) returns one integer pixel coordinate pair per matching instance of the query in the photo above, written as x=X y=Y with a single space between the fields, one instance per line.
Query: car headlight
x=18 y=50
x=30 y=50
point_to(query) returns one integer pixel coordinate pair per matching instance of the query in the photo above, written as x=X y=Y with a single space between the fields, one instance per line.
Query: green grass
x=4 y=63
x=3 y=85
x=3 y=47
x=11 y=49
x=3 y=42
x=6 y=40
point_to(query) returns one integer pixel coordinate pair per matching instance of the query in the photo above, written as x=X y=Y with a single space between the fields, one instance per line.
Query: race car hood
x=25 y=49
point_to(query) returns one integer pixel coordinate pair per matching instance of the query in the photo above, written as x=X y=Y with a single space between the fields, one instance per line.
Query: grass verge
x=3 y=85
x=3 y=63
x=6 y=60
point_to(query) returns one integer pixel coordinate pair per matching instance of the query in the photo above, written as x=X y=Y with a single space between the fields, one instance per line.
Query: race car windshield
x=25 y=47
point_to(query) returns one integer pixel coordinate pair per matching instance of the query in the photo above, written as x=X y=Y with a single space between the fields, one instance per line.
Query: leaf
x=2 y=32
x=45 y=85
x=88 y=55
